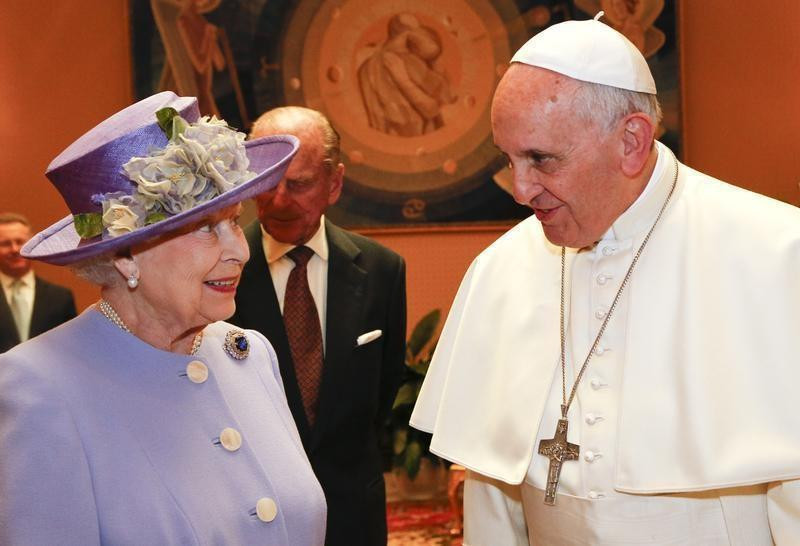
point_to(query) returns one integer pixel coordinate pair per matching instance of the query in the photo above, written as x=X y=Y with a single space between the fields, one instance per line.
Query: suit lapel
x=346 y=290
x=258 y=309
x=41 y=301
x=8 y=329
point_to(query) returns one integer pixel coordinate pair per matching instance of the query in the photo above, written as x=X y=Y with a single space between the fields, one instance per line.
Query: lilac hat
x=93 y=169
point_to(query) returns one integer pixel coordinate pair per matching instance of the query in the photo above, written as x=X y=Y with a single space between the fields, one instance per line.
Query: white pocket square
x=363 y=339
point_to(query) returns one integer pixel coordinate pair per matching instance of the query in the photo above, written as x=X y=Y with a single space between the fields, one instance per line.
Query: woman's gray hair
x=99 y=270
x=606 y=105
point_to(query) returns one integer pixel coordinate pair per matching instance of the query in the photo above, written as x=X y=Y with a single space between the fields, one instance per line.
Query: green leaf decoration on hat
x=88 y=225
x=154 y=217
x=171 y=122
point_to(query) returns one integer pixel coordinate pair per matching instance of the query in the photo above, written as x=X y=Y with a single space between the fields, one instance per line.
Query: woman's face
x=189 y=279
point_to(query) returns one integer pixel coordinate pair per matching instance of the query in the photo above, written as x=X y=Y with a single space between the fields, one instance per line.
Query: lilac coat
x=105 y=440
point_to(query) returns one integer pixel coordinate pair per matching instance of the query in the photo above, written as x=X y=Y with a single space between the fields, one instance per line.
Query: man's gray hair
x=291 y=118
x=606 y=105
x=13 y=218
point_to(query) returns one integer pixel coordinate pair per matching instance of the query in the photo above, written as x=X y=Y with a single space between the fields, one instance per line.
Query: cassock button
x=602 y=279
x=600 y=314
x=599 y=351
x=591 y=418
x=230 y=439
x=597 y=384
x=591 y=456
x=266 y=509
x=196 y=371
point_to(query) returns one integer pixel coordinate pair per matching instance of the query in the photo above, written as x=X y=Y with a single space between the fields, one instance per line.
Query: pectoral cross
x=558 y=450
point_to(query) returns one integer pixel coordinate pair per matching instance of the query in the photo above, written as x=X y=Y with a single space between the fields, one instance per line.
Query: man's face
x=12 y=236
x=290 y=212
x=564 y=168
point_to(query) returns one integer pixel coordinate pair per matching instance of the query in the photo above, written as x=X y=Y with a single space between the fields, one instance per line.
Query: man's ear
x=637 y=141
x=336 y=180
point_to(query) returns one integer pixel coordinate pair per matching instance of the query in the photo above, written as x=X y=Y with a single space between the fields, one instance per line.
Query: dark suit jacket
x=366 y=291
x=52 y=305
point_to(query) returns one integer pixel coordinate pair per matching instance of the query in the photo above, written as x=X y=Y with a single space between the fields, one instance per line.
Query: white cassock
x=687 y=417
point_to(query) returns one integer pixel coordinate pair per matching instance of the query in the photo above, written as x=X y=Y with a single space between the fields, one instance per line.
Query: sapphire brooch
x=236 y=344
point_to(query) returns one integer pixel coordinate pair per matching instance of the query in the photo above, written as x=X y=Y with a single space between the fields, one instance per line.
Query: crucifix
x=558 y=450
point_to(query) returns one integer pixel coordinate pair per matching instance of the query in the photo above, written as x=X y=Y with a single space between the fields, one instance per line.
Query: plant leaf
x=88 y=224
x=405 y=395
x=400 y=437
x=423 y=332
x=413 y=453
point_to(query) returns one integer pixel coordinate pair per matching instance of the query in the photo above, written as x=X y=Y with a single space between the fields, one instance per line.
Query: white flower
x=206 y=159
x=119 y=216
x=227 y=162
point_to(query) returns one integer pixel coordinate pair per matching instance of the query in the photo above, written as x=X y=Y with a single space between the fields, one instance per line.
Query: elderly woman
x=147 y=420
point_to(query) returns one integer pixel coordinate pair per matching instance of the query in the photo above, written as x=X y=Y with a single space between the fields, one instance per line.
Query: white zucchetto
x=589 y=51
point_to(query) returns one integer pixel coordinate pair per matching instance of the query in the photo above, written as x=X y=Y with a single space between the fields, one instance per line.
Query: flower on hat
x=201 y=161
x=122 y=214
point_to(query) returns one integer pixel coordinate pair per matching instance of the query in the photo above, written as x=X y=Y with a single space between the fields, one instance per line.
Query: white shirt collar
x=641 y=214
x=28 y=280
x=275 y=250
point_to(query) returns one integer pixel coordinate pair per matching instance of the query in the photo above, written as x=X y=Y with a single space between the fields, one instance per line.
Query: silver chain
x=109 y=312
x=568 y=401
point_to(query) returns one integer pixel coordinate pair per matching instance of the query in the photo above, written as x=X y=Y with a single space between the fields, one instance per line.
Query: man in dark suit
x=30 y=304
x=340 y=400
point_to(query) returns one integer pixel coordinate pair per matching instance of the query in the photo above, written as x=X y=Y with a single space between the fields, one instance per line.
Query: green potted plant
x=419 y=473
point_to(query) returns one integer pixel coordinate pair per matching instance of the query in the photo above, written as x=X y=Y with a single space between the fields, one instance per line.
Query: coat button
x=230 y=439
x=196 y=371
x=595 y=495
x=609 y=250
x=600 y=314
x=602 y=279
x=266 y=509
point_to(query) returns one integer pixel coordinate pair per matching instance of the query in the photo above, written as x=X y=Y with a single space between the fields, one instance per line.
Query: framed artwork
x=406 y=83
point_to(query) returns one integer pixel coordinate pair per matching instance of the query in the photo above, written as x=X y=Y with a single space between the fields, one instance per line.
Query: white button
x=266 y=509
x=196 y=371
x=599 y=351
x=595 y=495
x=592 y=418
x=597 y=384
x=602 y=279
x=230 y=439
x=600 y=314
x=609 y=250
x=591 y=456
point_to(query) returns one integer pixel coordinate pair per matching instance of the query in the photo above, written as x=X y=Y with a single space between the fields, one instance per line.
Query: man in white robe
x=685 y=415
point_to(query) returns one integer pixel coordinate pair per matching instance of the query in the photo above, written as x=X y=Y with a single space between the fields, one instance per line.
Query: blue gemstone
x=241 y=343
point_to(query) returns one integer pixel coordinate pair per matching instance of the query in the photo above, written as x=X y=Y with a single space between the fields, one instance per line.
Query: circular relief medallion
x=408 y=85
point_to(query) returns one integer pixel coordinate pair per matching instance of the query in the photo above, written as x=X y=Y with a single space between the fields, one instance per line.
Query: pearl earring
x=133 y=282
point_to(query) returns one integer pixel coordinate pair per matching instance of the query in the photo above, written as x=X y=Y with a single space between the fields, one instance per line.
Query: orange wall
x=66 y=65
x=741 y=66
x=63 y=70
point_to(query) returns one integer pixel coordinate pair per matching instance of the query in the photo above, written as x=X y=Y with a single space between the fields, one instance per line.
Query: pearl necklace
x=108 y=312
